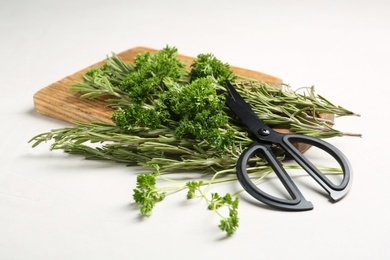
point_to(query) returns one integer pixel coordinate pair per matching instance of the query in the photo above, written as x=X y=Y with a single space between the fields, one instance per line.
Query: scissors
x=263 y=138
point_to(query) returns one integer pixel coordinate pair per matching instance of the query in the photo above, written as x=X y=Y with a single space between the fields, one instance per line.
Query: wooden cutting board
x=57 y=101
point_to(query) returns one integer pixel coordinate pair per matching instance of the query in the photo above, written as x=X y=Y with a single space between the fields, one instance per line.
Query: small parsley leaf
x=146 y=194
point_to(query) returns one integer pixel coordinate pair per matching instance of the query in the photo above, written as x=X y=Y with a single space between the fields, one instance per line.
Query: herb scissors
x=264 y=137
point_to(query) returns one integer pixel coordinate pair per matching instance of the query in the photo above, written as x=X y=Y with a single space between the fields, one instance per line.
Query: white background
x=56 y=206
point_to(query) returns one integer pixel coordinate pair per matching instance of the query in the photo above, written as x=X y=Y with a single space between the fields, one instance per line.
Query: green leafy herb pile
x=174 y=120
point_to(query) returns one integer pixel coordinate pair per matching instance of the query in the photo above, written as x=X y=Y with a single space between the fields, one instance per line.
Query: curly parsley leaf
x=193 y=187
x=199 y=110
x=207 y=65
x=150 y=71
x=227 y=224
x=137 y=115
x=146 y=194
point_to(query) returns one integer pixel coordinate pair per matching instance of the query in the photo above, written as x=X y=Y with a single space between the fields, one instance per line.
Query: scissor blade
x=247 y=117
x=237 y=97
x=244 y=111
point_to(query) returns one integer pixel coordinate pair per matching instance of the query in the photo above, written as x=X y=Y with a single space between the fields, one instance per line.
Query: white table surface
x=56 y=206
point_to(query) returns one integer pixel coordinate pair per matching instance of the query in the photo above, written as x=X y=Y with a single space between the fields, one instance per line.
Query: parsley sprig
x=146 y=194
x=171 y=120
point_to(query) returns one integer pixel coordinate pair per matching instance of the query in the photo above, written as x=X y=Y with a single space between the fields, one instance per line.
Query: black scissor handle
x=336 y=192
x=298 y=202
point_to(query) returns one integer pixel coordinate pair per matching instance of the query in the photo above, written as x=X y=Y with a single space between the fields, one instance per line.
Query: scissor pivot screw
x=263 y=132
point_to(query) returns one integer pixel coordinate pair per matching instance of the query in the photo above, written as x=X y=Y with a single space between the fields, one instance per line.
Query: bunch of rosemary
x=174 y=120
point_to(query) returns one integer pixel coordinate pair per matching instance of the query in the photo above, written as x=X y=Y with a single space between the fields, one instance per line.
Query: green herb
x=146 y=193
x=207 y=65
x=174 y=120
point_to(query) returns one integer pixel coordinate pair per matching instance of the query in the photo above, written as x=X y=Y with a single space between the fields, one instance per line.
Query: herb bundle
x=174 y=120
